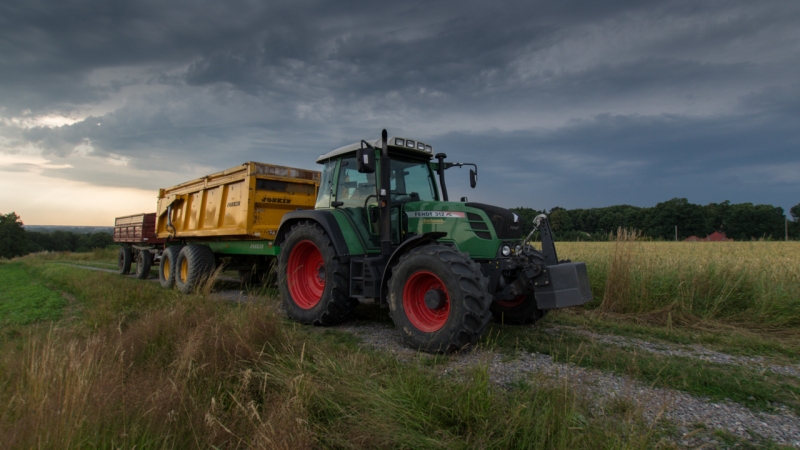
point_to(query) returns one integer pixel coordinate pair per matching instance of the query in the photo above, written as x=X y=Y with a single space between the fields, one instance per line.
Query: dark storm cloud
x=593 y=102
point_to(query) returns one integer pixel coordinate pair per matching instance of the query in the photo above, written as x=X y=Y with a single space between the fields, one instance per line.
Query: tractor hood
x=474 y=227
x=506 y=224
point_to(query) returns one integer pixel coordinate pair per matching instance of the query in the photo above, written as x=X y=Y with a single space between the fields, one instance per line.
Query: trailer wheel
x=438 y=299
x=194 y=266
x=521 y=310
x=124 y=260
x=144 y=260
x=314 y=284
x=168 y=266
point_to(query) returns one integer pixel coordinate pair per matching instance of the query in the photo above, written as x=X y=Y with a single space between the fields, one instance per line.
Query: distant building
x=716 y=236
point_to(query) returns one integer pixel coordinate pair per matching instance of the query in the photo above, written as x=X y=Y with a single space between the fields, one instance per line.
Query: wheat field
x=753 y=282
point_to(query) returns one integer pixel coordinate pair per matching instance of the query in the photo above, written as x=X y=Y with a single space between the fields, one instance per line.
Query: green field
x=25 y=299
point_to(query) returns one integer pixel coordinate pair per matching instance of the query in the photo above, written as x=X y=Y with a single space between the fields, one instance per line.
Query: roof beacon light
x=410 y=143
x=399 y=142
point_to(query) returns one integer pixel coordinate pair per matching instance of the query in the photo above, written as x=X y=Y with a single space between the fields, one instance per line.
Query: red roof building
x=716 y=236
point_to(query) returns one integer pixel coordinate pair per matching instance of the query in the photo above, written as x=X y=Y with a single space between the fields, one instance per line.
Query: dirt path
x=695 y=418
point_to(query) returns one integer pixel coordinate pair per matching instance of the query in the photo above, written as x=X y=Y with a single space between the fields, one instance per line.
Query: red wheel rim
x=305 y=273
x=423 y=317
x=513 y=303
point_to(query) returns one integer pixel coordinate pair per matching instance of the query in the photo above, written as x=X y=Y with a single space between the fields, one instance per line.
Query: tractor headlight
x=518 y=249
x=400 y=142
x=506 y=250
x=410 y=143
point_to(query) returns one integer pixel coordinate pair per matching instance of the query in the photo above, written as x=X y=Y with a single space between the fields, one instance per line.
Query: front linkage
x=533 y=273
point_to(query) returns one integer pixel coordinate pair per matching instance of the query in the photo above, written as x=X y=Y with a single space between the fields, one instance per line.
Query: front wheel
x=313 y=282
x=521 y=310
x=124 y=260
x=438 y=299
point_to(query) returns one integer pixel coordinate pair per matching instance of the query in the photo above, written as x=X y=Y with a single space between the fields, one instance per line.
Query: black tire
x=454 y=283
x=144 y=260
x=194 y=266
x=314 y=284
x=512 y=312
x=168 y=266
x=124 y=260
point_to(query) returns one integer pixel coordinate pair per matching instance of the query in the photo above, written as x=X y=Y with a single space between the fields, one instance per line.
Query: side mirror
x=366 y=160
x=473 y=178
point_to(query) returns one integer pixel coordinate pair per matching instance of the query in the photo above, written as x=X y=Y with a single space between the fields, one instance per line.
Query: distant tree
x=688 y=217
x=795 y=212
x=747 y=221
x=12 y=236
x=561 y=221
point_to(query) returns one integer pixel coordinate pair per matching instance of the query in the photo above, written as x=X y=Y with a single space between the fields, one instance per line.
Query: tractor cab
x=350 y=186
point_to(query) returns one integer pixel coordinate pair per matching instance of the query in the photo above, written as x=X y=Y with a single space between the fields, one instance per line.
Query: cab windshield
x=411 y=180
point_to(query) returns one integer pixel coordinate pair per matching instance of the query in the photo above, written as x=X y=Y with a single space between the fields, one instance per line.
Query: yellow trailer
x=244 y=202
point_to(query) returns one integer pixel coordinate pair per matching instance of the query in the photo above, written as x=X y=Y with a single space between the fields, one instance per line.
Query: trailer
x=138 y=241
x=229 y=218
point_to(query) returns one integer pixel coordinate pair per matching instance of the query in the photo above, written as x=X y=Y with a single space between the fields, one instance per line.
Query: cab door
x=355 y=193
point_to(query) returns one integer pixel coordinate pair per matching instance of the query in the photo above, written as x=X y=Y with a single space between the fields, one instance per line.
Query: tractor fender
x=324 y=218
x=405 y=247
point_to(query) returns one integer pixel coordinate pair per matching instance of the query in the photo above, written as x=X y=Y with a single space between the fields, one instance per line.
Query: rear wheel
x=194 y=265
x=168 y=267
x=313 y=282
x=438 y=299
x=124 y=260
x=521 y=310
x=144 y=259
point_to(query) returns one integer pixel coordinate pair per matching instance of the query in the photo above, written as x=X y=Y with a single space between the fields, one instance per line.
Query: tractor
x=384 y=229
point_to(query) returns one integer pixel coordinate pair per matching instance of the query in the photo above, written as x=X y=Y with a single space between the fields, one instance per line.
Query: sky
x=576 y=104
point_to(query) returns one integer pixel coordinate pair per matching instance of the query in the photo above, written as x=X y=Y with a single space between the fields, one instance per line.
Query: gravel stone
x=656 y=404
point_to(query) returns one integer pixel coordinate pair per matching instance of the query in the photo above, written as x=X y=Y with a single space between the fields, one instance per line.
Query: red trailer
x=137 y=234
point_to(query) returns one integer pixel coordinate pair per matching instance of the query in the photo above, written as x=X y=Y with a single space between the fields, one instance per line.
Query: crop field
x=685 y=345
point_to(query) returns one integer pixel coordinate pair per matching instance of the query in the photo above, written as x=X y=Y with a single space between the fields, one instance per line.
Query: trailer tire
x=194 y=265
x=144 y=260
x=314 y=283
x=124 y=260
x=522 y=310
x=168 y=266
x=439 y=299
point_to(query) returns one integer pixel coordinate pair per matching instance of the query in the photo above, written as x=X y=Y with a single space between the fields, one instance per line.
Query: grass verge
x=143 y=367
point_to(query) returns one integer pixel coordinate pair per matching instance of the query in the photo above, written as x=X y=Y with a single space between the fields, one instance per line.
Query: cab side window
x=354 y=188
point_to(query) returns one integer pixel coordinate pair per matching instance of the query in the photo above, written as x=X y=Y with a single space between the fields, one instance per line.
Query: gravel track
x=685 y=411
x=694 y=351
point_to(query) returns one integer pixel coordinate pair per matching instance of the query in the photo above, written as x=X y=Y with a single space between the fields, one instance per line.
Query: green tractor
x=382 y=230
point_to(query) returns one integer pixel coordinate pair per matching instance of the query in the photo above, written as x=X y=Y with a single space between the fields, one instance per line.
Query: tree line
x=16 y=241
x=739 y=221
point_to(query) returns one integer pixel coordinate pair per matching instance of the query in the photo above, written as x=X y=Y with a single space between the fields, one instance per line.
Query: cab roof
x=396 y=144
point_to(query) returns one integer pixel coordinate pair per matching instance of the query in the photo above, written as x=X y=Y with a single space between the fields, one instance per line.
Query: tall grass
x=745 y=282
x=191 y=371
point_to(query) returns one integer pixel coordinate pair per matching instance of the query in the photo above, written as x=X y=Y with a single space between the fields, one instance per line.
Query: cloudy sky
x=560 y=103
